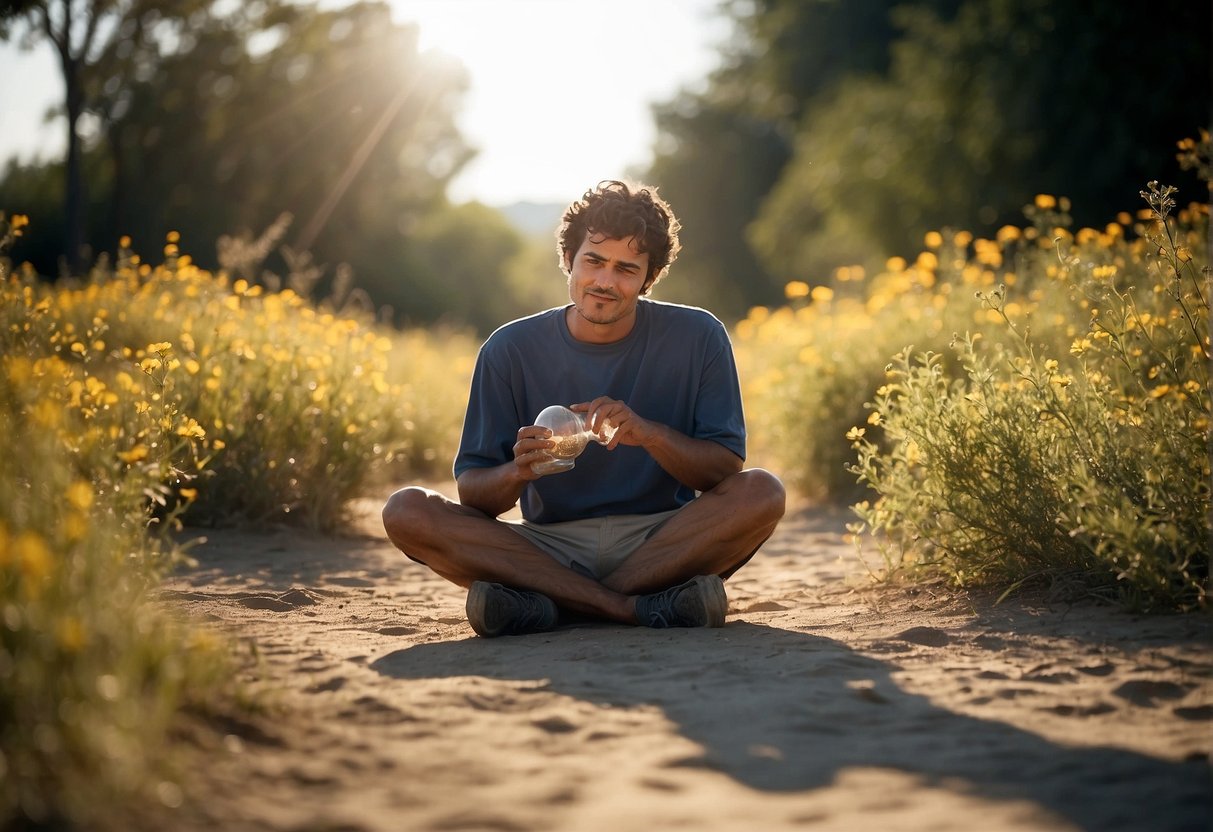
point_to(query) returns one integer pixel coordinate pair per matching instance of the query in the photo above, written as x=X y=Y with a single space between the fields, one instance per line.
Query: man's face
x=606 y=278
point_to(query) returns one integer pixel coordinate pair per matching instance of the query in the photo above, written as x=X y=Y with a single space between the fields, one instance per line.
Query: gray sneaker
x=496 y=610
x=700 y=602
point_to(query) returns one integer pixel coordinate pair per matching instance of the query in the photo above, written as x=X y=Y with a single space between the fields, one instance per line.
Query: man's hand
x=532 y=446
x=630 y=428
x=495 y=490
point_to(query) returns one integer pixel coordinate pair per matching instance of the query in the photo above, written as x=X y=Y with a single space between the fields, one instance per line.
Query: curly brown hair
x=620 y=211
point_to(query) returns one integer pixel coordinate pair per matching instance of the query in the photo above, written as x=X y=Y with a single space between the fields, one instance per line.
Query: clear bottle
x=571 y=436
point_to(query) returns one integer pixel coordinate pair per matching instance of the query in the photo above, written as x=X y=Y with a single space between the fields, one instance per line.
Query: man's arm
x=491 y=490
x=700 y=464
x=495 y=490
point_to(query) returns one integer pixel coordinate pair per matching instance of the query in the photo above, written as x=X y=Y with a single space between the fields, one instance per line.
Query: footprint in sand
x=368 y=710
x=1144 y=693
x=1198 y=713
x=289 y=600
x=555 y=725
x=396 y=631
x=334 y=684
x=1083 y=710
x=926 y=636
x=343 y=580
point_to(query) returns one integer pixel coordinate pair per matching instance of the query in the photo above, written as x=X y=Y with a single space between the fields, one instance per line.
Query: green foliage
x=464 y=251
x=978 y=112
x=533 y=277
x=1083 y=466
x=838 y=133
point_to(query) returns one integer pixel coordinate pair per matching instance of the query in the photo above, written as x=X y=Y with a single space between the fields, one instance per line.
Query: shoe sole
x=715 y=601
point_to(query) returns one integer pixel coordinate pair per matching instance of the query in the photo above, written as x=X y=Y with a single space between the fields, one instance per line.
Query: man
x=642 y=530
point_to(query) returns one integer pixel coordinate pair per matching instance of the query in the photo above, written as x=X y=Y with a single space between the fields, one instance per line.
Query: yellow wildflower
x=135 y=454
x=191 y=428
x=80 y=495
x=796 y=289
x=32 y=554
x=70 y=634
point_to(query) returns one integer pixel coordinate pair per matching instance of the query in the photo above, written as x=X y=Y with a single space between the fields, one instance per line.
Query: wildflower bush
x=808 y=368
x=130 y=401
x=811 y=367
x=1083 y=465
x=1031 y=408
x=91 y=676
x=293 y=406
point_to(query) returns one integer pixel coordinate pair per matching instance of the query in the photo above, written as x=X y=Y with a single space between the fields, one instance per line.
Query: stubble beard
x=584 y=310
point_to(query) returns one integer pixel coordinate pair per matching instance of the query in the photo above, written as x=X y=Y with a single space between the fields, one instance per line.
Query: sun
x=561 y=90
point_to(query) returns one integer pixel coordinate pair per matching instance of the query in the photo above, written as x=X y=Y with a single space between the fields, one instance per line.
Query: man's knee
x=408 y=512
x=760 y=491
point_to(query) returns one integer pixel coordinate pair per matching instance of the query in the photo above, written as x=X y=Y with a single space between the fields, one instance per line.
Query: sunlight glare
x=561 y=90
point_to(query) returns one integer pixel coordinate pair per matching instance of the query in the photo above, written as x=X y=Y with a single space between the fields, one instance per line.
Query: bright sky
x=560 y=89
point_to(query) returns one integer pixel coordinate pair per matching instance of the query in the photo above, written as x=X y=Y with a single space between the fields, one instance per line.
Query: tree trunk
x=75 y=201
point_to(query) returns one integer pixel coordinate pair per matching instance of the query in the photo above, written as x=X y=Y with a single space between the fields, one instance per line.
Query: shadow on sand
x=784 y=711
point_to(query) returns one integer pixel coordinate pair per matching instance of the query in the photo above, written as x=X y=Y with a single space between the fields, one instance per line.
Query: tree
x=719 y=152
x=838 y=132
x=331 y=116
x=980 y=112
x=88 y=36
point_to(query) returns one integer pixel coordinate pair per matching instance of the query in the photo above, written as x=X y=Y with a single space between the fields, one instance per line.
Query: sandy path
x=821 y=704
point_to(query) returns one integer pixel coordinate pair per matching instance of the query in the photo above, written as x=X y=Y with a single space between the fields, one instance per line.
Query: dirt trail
x=822 y=703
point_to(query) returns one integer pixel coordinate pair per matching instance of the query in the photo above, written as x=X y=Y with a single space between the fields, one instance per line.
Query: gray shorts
x=595 y=546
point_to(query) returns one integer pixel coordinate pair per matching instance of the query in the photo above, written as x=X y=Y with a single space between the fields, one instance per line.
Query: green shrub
x=1085 y=466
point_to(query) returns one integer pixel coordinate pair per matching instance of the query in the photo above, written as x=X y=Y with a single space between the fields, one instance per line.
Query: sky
x=560 y=90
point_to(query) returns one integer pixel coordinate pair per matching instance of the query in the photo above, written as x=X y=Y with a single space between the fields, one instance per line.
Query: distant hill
x=534 y=219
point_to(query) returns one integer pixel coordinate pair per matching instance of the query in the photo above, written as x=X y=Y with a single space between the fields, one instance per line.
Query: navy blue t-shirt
x=675 y=367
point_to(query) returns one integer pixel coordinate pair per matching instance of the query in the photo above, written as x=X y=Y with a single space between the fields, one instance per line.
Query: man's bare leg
x=464 y=545
x=713 y=535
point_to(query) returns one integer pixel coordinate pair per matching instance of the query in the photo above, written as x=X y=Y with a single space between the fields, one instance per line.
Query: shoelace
x=654 y=607
x=531 y=610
